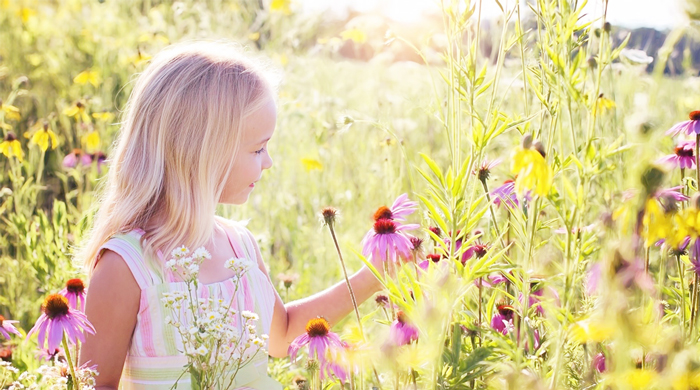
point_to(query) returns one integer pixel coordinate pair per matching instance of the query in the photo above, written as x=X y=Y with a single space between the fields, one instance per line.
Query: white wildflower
x=202 y=350
x=249 y=315
x=181 y=251
x=201 y=253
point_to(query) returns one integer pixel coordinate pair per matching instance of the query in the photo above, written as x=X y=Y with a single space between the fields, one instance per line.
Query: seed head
x=385 y=226
x=312 y=365
x=10 y=136
x=317 y=327
x=527 y=141
x=55 y=305
x=329 y=214
x=381 y=300
x=416 y=244
x=1 y=320
x=434 y=257
x=695 y=115
x=436 y=230
x=383 y=213
x=607 y=27
x=537 y=145
x=75 y=286
x=401 y=317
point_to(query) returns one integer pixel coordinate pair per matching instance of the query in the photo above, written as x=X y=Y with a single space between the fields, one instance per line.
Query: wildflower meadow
x=525 y=189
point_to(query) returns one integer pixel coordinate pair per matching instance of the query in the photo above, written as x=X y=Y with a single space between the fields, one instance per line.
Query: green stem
x=347 y=280
x=76 y=382
x=680 y=277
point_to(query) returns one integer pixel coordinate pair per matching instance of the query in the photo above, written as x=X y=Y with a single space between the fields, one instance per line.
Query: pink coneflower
x=58 y=319
x=690 y=127
x=491 y=280
x=401 y=331
x=484 y=170
x=682 y=156
x=433 y=258
x=76 y=156
x=6 y=328
x=402 y=207
x=75 y=293
x=387 y=237
x=673 y=192
x=503 y=320
x=505 y=193
x=598 y=362
x=330 y=369
x=320 y=339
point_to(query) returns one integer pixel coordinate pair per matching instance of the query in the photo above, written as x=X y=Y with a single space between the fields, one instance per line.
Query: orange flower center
x=1 y=320
x=695 y=115
x=383 y=213
x=434 y=257
x=55 y=305
x=317 y=327
x=385 y=226
x=401 y=317
x=75 y=286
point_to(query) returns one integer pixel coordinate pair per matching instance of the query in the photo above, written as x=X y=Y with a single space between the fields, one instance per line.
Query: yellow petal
x=310 y=164
x=11 y=112
x=71 y=111
x=281 y=6
x=254 y=36
x=354 y=34
x=87 y=76
x=103 y=116
x=54 y=139
x=41 y=138
x=91 y=141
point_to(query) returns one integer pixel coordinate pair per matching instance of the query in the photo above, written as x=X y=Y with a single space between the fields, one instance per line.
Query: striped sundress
x=154 y=360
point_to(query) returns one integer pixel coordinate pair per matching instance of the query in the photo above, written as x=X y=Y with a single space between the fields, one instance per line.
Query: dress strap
x=128 y=246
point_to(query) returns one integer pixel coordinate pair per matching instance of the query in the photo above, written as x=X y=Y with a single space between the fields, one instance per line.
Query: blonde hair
x=180 y=132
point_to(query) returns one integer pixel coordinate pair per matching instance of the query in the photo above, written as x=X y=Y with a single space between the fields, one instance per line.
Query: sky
x=659 y=14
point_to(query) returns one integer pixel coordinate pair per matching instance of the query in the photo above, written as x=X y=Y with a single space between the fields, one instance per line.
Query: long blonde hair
x=180 y=132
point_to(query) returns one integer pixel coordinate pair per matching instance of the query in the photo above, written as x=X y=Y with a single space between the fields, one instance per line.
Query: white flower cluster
x=240 y=266
x=187 y=267
x=214 y=346
x=53 y=377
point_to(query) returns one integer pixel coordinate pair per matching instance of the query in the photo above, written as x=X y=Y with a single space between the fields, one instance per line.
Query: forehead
x=260 y=124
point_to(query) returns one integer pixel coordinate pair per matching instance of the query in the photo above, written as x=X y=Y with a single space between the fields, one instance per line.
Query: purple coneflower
x=330 y=369
x=401 y=331
x=599 y=362
x=58 y=319
x=320 y=339
x=682 y=156
x=75 y=293
x=402 y=207
x=76 y=156
x=491 y=280
x=505 y=193
x=673 y=192
x=690 y=127
x=695 y=257
x=431 y=258
x=6 y=328
x=387 y=238
x=484 y=170
x=503 y=320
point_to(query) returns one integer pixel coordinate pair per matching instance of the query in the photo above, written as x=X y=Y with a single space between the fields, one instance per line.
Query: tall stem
x=76 y=382
x=347 y=280
x=680 y=277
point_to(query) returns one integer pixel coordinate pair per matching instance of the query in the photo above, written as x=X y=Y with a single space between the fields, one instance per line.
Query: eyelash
x=260 y=151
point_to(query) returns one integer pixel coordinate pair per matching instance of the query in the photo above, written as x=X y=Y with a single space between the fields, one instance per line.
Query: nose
x=267 y=163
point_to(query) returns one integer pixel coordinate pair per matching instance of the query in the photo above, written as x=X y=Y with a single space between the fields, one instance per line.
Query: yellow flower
x=91 y=141
x=605 y=104
x=281 y=6
x=77 y=110
x=88 y=76
x=669 y=225
x=139 y=58
x=310 y=164
x=640 y=379
x=25 y=13
x=11 y=112
x=103 y=116
x=11 y=147
x=588 y=330
x=254 y=36
x=687 y=380
x=354 y=34
x=43 y=135
x=531 y=170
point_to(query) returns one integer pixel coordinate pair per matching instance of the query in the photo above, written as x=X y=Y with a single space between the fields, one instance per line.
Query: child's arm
x=112 y=306
x=333 y=303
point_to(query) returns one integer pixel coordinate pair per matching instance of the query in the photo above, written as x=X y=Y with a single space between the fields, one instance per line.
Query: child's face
x=252 y=157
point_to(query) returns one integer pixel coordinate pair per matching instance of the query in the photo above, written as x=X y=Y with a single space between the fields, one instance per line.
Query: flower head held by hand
x=386 y=240
x=58 y=319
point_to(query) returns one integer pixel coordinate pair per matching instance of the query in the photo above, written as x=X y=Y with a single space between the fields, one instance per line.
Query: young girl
x=194 y=135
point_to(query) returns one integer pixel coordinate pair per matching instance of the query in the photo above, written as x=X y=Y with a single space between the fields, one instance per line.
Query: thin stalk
x=71 y=366
x=680 y=276
x=347 y=280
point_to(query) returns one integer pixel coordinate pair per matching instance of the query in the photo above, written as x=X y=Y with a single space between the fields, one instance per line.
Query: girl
x=195 y=134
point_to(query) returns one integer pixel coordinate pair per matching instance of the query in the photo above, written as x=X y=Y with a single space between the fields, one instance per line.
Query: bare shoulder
x=112 y=306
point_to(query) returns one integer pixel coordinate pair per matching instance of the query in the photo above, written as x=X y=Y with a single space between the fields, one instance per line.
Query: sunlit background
x=659 y=14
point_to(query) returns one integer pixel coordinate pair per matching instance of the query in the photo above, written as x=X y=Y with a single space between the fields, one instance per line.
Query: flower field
x=548 y=238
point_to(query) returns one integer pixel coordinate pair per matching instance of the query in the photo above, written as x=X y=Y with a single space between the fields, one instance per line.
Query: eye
x=260 y=151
